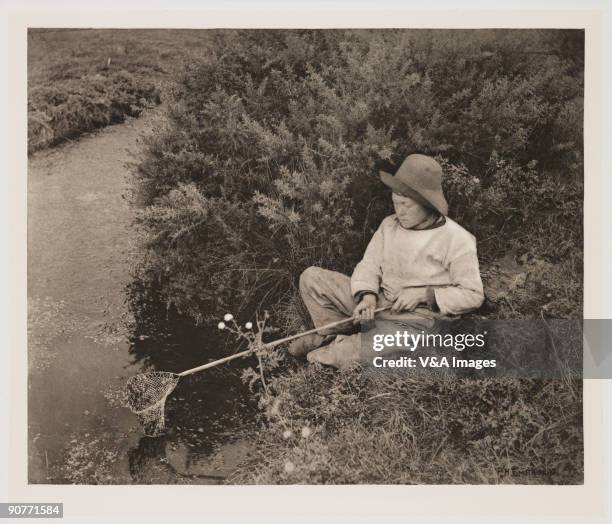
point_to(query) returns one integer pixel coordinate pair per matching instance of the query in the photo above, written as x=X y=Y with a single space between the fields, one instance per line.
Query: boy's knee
x=309 y=276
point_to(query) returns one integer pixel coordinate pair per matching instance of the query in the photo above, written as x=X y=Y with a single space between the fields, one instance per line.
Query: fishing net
x=146 y=397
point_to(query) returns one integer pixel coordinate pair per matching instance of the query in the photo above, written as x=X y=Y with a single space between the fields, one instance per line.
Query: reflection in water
x=148 y=452
x=205 y=410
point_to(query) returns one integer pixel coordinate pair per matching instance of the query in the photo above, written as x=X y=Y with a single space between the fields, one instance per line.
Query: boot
x=304 y=345
x=343 y=353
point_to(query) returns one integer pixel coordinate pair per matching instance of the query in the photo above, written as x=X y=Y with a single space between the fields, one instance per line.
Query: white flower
x=306 y=432
x=248 y=325
x=289 y=467
x=228 y=317
x=287 y=434
x=221 y=325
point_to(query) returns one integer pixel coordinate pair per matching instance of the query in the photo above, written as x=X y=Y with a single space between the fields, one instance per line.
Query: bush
x=265 y=166
x=69 y=108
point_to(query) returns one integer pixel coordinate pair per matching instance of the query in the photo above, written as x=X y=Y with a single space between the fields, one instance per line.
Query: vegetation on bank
x=329 y=427
x=81 y=80
x=266 y=166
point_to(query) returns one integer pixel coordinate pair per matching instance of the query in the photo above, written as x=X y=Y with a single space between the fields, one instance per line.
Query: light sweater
x=443 y=258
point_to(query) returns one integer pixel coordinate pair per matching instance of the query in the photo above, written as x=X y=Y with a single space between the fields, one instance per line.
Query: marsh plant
x=268 y=359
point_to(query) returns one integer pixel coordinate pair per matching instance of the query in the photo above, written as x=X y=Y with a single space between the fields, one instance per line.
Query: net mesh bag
x=146 y=397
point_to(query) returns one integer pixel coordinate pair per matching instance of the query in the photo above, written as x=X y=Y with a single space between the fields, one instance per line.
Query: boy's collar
x=432 y=222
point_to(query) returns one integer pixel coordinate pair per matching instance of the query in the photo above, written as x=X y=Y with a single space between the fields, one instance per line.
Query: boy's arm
x=466 y=291
x=367 y=275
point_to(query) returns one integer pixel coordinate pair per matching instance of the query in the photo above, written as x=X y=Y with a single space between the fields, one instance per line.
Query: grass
x=379 y=429
x=82 y=80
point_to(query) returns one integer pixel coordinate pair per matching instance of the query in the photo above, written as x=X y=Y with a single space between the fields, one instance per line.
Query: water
x=85 y=338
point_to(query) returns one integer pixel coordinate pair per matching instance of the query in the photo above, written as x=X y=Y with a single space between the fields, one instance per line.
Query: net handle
x=275 y=343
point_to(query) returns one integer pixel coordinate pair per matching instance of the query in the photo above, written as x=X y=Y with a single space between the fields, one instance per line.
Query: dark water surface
x=85 y=339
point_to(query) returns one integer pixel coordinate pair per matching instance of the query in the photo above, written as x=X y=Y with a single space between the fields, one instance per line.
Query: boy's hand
x=364 y=311
x=409 y=298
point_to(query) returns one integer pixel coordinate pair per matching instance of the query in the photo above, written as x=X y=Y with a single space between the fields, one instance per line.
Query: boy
x=419 y=261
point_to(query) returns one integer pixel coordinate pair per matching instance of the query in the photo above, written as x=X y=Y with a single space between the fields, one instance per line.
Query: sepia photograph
x=220 y=220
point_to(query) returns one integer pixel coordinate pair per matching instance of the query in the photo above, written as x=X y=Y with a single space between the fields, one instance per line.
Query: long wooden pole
x=273 y=344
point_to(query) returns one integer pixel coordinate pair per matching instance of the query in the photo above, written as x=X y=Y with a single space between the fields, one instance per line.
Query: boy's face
x=409 y=212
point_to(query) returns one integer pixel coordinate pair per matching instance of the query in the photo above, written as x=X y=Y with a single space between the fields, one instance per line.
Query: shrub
x=271 y=141
x=66 y=109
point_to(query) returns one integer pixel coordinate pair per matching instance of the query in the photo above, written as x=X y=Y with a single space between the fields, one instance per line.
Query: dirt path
x=79 y=246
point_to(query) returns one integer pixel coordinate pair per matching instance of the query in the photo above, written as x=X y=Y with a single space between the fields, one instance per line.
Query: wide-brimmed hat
x=419 y=177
